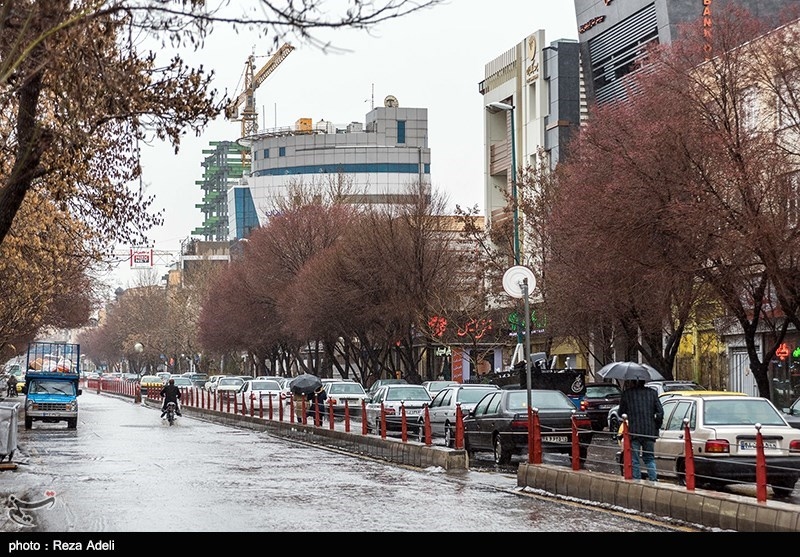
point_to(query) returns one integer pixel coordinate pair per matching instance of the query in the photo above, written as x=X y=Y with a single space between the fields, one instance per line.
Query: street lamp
x=494 y=107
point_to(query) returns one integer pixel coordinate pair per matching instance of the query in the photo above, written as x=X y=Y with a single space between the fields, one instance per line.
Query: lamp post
x=495 y=106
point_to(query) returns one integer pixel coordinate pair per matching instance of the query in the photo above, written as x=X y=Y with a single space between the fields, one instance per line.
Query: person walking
x=12 y=385
x=644 y=413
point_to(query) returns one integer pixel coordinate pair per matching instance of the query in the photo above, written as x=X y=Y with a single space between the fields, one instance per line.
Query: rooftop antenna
x=372 y=98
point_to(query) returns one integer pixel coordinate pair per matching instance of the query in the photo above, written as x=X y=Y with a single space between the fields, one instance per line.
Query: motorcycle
x=171 y=412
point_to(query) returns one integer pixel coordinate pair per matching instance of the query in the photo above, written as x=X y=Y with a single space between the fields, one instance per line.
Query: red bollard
x=688 y=455
x=304 y=419
x=403 y=425
x=291 y=408
x=363 y=417
x=383 y=422
x=427 y=426
x=253 y=404
x=280 y=408
x=459 y=441
x=627 y=470
x=531 y=443
x=228 y=398
x=317 y=421
x=761 y=467
x=346 y=417
x=331 y=416
x=576 y=445
x=537 y=438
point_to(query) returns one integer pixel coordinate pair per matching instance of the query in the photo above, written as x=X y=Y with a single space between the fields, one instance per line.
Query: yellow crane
x=252 y=79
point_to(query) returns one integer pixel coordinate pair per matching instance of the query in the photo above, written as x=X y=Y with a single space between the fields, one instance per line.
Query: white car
x=442 y=410
x=260 y=391
x=228 y=386
x=393 y=399
x=341 y=392
x=211 y=384
x=723 y=434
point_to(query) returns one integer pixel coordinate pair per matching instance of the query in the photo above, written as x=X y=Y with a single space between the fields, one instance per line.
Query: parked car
x=211 y=383
x=792 y=414
x=381 y=382
x=499 y=424
x=228 y=386
x=150 y=382
x=598 y=400
x=442 y=410
x=182 y=382
x=436 y=386
x=164 y=375
x=263 y=390
x=340 y=392
x=723 y=433
x=613 y=419
x=394 y=398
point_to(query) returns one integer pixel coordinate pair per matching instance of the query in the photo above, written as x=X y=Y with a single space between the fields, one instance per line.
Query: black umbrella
x=305 y=384
x=629 y=371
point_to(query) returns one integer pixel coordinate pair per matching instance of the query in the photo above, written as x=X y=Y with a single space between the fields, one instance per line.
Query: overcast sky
x=433 y=59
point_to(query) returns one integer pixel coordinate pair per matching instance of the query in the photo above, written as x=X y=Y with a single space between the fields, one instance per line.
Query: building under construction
x=223 y=168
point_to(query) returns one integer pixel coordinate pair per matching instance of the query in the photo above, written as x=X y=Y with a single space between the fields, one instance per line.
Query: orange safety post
x=761 y=467
x=253 y=404
x=304 y=418
x=531 y=444
x=291 y=408
x=427 y=426
x=331 y=422
x=363 y=417
x=576 y=445
x=688 y=455
x=383 y=422
x=228 y=398
x=627 y=470
x=346 y=417
x=280 y=407
x=191 y=397
x=317 y=421
x=537 y=438
x=137 y=394
x=235 y=402
x=403 y=425
x=459 y=441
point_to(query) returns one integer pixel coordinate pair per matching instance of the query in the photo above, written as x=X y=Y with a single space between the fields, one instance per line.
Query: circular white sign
x=513 y=280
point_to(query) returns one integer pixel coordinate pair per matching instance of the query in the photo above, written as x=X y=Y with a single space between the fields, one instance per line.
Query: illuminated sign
x=591 y=23
x=782 y=351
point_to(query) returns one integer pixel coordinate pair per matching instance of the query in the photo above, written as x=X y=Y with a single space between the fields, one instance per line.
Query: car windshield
x=52 y=387
x=518 y=400
x=683 y=387
x=231 y=381
x=182 y=382
x=407 y=393
x=265 y=385
x=345 y=389
x=439 y=385
x=743 y=411
x=601 y=391
x=471 y=394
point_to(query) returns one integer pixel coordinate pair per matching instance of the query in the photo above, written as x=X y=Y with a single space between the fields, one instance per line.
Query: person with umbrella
x=645 y=415
x=301 y=386
x=316 y=405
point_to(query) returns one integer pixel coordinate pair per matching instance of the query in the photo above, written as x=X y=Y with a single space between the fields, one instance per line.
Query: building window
x=401 y=131
x=266 y=153
x=750 y=109
x=281 y=151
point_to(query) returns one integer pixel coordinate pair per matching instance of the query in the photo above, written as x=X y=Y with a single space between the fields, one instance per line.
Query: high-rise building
x=615 y=34
x=372 y=163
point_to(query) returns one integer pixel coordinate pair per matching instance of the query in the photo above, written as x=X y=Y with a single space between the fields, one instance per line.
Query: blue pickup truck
x=52 y=383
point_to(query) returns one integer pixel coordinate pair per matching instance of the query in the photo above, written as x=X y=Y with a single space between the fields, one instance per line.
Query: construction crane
x=252 y=79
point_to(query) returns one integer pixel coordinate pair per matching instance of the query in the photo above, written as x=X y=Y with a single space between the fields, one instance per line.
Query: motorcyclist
x=170 y=393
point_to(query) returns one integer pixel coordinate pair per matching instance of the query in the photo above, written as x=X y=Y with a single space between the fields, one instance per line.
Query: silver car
x=393 y=399
x=442 y=410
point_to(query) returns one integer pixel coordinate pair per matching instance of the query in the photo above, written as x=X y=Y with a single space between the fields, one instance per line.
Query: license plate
x=606 y=406
x=555 y=439
x=751 y=445
x=413 y=411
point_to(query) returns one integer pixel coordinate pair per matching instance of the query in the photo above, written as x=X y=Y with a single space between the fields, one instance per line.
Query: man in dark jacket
x=170 y=393
x=645 y=414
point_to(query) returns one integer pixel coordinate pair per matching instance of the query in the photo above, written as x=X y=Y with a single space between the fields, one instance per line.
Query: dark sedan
x=499 y=423
x=599 y=399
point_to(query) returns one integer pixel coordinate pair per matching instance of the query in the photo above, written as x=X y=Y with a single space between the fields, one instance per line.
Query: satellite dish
x=513 y=280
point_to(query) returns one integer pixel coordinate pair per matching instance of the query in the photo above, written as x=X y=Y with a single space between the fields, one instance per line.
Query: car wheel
x=28 y=423
x=421 y=432
x=613 y=424
x=377 y=426
x=468 y=448
x=502 y=455
x=783 y=489
x=449 y=438
x=72 y=423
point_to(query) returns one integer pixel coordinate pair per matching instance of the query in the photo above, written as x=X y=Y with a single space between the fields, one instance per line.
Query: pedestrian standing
x=12 y=385
x=644 y=414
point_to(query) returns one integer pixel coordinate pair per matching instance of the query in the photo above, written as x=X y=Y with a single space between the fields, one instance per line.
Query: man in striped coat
x=645 y=414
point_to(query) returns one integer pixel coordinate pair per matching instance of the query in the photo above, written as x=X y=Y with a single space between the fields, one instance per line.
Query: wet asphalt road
x=114 y=473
